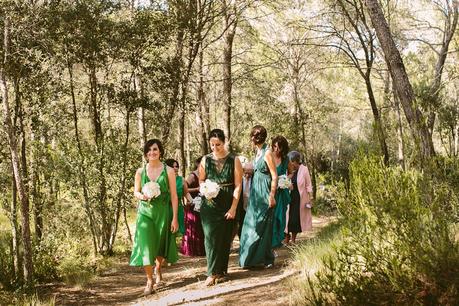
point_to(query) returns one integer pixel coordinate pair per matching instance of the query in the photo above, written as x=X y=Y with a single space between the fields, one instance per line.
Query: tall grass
x=308 y=259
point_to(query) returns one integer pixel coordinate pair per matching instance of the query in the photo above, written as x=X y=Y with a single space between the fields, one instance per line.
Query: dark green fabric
x=153 y=235
x=217 y=230
x=257 y=231
x=280 y=211
x=180 y=212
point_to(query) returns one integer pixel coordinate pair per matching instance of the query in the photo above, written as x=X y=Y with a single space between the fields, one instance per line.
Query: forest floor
x=184 y=282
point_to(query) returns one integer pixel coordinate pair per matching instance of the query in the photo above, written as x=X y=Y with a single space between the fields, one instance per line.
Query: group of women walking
x=249 y=193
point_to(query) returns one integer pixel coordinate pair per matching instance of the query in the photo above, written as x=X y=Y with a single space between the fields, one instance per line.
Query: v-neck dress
x=217 y=229
x=153 y=236
x=257 y=231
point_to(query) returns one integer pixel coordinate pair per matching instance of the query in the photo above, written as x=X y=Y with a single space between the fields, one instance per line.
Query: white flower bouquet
x=197 y=203
x=151 y=190
x=284 y=182
x=209 y=189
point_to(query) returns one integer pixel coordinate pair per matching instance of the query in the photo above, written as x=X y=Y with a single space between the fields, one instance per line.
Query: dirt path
x=184 y=283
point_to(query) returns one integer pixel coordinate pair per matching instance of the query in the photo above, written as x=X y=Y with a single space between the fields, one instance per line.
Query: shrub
x=399 y=246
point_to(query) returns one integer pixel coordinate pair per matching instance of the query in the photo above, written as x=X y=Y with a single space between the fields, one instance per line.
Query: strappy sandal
x=211 y=281
x=149 y=288
x=159 y=277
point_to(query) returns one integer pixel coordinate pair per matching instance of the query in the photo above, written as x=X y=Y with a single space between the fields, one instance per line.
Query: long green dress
x=256 y=237
x=217 y=229
x=153 y=236
x=180 y=212
x=280 y=211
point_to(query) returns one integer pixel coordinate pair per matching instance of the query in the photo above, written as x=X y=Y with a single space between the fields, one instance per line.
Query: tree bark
x=12 y=141
x=419 y=128
x=377 y=120
x=230 y=25
x=121 y=194
x=81 y=166
x=449 y=30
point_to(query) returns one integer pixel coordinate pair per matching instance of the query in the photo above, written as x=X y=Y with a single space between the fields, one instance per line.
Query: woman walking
x=256 y=236
x=217 y=214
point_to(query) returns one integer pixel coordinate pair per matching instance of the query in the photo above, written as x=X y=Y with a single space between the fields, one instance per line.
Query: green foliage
x=399 y=246
x=7 y=277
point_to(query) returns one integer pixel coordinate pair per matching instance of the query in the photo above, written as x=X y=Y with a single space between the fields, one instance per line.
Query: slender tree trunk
x=15 y=233
x=138 y=85
x=37 y=202
x=177 y=81
x=120 y=201
x=12 y=141
x=81 y=166
x=448 y=33
x=99 y=141
x=200 y=114
x=400 y=141
x=419 y=128
x=230 y=25
x=378 y=122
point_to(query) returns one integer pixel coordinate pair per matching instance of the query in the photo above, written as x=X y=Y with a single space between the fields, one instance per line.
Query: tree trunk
x=419 y=128
x=12 y=141
x=121 y=194
x=201 y=112
x=378 y=122
x=81 y=165
x=138 y=85
x=230 y=24
x=15 y=233
x=105 y=232
x=449 y=30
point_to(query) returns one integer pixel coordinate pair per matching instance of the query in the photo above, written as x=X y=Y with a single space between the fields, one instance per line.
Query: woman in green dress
x=256 y=237
x=182 y=193
x=218 y=214
x=156 y=223
x=279 y=146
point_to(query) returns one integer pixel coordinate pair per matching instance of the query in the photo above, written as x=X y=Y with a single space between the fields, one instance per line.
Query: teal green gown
x=280 y=211
x=217 y=229
x=180 y=212
x=153 y=236
x=257 y=231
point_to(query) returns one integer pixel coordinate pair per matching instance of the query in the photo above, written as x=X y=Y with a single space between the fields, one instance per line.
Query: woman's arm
x=189 y=181
x=308 y=184
x=174 y=198
x=269 y=159
x=202 y=170
x=138 y=186
x=231 y=214
x=187 y=194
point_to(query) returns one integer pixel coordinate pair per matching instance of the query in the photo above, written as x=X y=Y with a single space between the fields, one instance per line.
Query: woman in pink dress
x=193 y=238
x=299 y=216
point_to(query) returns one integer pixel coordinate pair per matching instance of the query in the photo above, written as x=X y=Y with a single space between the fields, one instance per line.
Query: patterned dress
x=193 y=239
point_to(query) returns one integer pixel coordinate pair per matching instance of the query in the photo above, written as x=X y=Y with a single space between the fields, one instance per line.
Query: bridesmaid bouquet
x=151 y=190
x=284 y=182
x=209 y=189
x=197 y=203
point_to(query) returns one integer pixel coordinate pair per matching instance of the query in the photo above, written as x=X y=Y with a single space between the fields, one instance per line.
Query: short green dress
x=257 y=231
x=153 y=236
x=218 y=231
x=180 y=212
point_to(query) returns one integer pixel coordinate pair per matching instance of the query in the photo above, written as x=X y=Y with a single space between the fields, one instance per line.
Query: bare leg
x=159 y=276
x=287 y=238
x=294 y=237
x=150 y=282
